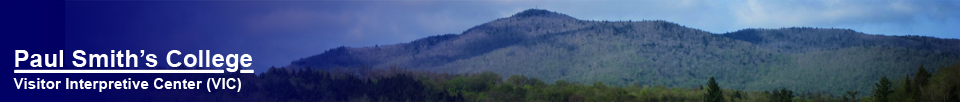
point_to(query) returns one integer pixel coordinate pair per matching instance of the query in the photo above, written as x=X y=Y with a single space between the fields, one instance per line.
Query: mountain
x=552 y=46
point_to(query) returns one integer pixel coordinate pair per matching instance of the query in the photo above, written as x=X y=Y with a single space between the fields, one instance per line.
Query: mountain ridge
x=552 y=46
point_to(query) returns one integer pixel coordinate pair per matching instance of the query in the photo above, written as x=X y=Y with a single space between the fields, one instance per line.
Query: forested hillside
x=551 y=46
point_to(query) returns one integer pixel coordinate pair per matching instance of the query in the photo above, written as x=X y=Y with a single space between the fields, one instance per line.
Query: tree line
x=397 y=84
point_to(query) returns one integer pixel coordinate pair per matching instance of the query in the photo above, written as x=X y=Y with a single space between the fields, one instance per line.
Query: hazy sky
x=279 y=32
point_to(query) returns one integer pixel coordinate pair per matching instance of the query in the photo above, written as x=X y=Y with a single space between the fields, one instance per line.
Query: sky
x=278 y=32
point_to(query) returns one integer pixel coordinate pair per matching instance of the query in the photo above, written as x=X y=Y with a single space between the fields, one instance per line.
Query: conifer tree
x=882 y=90
x=919 y=81
x=908 y=88
x=714 y=93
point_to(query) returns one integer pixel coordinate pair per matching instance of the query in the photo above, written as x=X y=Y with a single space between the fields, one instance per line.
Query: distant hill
x=553 y=46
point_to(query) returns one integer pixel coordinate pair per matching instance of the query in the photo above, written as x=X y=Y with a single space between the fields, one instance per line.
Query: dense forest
x=398 y=84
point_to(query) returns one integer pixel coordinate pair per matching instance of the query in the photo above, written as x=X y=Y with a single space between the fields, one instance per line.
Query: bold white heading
x=124 y=58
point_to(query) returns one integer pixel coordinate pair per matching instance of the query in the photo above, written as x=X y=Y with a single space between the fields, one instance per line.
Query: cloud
x=832 y=13
x=896 y=17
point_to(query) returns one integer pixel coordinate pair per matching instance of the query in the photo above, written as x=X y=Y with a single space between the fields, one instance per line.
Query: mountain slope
x=553 y=46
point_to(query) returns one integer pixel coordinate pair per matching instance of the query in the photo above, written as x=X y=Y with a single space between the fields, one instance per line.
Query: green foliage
x=907 y=91
x=852 y=96
x=738 y=94
x=783 y=95
x=714 y=93
x=882 y=90
x=280 y=84
x=943 y=86
x=939 y=86
x=921 y=80
x=921 y=77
